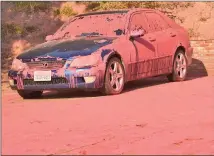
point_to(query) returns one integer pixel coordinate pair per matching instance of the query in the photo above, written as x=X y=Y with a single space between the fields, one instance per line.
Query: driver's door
x=142 y=59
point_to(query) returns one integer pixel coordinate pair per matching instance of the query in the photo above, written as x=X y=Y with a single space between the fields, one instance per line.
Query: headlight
x=83 y=61
x=17 y=65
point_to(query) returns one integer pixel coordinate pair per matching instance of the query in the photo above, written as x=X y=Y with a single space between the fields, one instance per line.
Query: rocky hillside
x=25 y=24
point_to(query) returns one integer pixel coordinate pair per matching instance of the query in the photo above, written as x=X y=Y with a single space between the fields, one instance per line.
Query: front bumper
x=82 y=78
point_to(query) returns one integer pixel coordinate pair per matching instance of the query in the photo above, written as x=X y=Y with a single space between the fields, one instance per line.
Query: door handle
x=172 y=34
x=152 y=39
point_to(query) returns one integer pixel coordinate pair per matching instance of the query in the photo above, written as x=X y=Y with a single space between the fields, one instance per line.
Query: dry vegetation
x=25 y=24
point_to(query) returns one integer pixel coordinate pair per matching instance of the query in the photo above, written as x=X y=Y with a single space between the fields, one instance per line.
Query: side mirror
x=136 y=33
x=49 y=37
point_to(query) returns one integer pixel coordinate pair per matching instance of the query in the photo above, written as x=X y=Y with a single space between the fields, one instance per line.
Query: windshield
x=99 y=24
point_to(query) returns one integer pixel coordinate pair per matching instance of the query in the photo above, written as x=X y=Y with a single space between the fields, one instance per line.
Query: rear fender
x=188 y=51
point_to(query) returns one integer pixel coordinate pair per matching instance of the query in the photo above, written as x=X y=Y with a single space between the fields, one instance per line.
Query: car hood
x=65 y=49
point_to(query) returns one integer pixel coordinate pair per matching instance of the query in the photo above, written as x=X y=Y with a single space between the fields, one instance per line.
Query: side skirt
x=150 y=68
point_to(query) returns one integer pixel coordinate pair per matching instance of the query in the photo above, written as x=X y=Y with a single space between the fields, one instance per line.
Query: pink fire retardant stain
x=155 y=118
x=104 y=35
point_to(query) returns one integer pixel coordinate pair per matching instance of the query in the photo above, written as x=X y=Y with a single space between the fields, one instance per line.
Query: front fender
x=121 y=48
x=108 y=54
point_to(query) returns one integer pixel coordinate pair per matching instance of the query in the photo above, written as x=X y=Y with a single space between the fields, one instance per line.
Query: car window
x=96 y=24
x=156 y=22
x=138 y=21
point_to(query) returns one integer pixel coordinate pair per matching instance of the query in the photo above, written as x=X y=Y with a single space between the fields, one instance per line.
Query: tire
x=114 y=79
x=179 y=69
x=29 y=94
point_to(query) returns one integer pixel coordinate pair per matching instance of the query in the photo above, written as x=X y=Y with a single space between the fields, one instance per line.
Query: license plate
x=42 y=76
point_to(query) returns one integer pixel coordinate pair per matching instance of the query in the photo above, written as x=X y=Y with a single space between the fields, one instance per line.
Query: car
x=103 y=51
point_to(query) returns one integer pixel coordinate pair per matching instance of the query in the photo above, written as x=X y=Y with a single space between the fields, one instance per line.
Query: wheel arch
x=117 y=55
x=172 y=77
x=180 y=47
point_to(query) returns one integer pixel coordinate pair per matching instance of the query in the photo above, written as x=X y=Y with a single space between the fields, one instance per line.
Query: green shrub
x=192 y=33
x=67 y=11
x=30 y=29
x=16 y=30
x=186 y=4
x=152 y=5
x=113 y=5
x=11 y=29
x=203 y=19
x=94 y=6
x=31 y=6
x=56 y=12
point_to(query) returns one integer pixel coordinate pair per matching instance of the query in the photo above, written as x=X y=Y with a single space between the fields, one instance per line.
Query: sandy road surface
x=150 y=117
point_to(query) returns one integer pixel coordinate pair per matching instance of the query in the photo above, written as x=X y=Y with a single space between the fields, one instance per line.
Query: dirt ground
x=152 y=116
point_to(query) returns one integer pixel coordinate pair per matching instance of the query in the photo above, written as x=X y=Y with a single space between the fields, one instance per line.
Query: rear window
x=156 y=22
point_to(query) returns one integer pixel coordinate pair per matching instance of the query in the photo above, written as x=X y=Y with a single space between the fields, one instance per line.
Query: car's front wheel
x=179 y=67
x=29 y=94
x=114 y=77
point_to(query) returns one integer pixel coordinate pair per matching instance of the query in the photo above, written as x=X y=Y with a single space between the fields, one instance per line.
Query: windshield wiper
x=65 y=36
x=89 y=34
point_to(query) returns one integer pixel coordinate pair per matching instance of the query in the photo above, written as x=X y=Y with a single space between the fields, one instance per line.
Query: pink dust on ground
x=151 y=116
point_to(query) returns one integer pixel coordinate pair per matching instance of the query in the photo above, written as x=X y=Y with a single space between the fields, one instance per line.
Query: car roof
x=114 y=11
x=104 y=12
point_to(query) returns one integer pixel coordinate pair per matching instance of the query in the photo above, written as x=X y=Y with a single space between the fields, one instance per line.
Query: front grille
x=46 y=64
x=28 y=82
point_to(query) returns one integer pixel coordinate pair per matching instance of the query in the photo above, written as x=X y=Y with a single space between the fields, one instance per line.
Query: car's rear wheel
x=114 y=77
x=179 y=71
x=29 y=94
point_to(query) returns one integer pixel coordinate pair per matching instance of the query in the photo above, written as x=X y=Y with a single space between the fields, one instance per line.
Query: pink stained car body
x=145 y=42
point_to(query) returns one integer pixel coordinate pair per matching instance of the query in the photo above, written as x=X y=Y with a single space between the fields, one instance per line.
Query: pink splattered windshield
x=98 y=24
